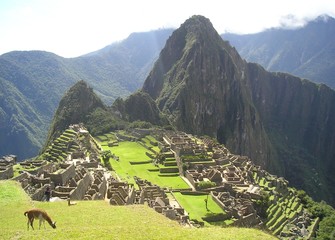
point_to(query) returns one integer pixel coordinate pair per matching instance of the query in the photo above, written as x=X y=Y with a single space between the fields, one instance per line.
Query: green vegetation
x=133 y=160
x=28 y=77
x=195 y=205
x=17 y=168
x=78 y=103
x=20 y=122
x=206 y=184
x=107 y=122
x=140 y=109
x=99 y=220
x=323 y=211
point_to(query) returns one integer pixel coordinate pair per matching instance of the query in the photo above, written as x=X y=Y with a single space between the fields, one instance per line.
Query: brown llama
x=38 y=214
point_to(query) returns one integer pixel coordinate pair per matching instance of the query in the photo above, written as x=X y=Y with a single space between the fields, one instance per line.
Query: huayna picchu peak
x=283 y=122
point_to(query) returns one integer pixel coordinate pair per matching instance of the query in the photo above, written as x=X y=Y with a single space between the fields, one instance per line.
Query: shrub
x=206 y=184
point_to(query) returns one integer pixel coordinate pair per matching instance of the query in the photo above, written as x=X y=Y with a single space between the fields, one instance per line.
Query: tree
x=106 y=155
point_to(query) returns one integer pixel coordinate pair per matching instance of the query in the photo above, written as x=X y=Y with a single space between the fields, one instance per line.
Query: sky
x=70 y=28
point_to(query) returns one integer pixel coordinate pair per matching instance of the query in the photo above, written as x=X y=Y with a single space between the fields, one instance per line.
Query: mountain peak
x=199 y=81
x=200 y=28
x=195 y=37
x=197 y=22
x=77 y=103
x=324 y=18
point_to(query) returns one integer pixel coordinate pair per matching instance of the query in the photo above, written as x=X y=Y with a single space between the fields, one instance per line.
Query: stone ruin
x=122 y=193
x=6 y=166
x=81 y=177
x=236 y=188
x=77 y=178
x=239 y=207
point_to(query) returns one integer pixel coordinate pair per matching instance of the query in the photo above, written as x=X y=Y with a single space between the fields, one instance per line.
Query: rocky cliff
x=277 y=119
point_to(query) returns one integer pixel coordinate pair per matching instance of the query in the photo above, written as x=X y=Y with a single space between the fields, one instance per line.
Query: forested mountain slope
x=33 y=83
x=307 y=52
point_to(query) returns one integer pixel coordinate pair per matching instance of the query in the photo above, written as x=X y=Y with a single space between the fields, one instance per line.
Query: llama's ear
x=54 y=223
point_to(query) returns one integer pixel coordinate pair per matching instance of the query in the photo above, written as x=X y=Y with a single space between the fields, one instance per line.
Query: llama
x=38 y=214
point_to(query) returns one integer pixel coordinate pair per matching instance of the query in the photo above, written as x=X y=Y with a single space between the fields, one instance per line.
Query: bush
x=321 y=210
x=140 y=124
x=327 y=228
x=206 y=184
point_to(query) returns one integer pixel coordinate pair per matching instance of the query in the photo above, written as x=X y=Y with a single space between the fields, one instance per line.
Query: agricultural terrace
x=133 y=158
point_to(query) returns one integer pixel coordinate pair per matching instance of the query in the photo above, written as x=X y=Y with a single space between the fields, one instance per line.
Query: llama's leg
x=31 y=223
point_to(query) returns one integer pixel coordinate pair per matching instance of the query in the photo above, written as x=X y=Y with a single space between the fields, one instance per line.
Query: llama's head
x=53 y=225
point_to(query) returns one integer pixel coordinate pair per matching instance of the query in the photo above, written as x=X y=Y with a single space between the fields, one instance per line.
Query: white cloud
x=71 y=28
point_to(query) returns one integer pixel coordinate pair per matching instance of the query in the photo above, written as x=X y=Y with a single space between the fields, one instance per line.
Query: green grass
x=99 y=220
x=135 y=152
x=18 y=167
x=130 y=151
x=148 y=139
x=195 y=205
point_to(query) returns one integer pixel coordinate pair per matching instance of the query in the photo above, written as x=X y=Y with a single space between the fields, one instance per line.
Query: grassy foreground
x=99 y=220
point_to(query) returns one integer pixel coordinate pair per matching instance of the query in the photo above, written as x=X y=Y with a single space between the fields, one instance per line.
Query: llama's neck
x=47 y=218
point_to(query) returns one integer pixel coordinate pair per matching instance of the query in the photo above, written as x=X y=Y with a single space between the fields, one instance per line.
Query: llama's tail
x=25 y=213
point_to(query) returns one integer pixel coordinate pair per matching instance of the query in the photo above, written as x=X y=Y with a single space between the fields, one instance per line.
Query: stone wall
x=218 y=202
x=21 y=177
x=190 y=178
x=61 y=178
x=92 y=164
x=82 y=185
x=6 y=172
x=39 y=194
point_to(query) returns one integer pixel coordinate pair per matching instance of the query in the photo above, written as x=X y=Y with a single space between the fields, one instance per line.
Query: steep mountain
x=35 y=81
x=307 y=52
x=78 y=102
x=81 y=105
x=282 y=122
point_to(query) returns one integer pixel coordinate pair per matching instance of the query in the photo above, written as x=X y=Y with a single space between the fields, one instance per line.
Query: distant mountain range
x=33 y=82
x=307 y=52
